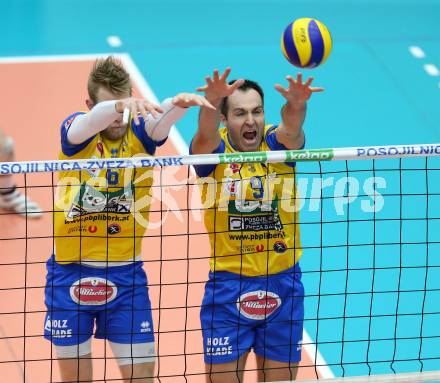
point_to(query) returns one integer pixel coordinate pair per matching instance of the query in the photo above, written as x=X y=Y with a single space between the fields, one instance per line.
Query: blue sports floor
x=378 y=92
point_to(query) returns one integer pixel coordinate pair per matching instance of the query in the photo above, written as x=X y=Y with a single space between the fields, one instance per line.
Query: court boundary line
x=174 y=135
x=411 y=377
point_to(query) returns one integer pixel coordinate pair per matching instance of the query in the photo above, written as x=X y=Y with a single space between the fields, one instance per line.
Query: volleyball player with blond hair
x=95 y=276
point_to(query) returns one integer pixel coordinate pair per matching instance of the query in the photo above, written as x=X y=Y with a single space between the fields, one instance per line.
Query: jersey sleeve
x=205 y=170
x=67 y=148
x=140 y=132
x=274 y=144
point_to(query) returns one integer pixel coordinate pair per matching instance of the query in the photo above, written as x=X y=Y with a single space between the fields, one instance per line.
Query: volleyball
x=306 y=43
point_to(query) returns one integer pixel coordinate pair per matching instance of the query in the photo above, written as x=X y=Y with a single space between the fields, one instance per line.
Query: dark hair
x=109 y=73
x=248 y=84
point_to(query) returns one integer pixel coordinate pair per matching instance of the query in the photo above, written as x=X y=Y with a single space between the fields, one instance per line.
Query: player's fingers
x=158 y=108
x=309 y=81
x=201 y=88
x=208 y=80
x=216 y=75
x=317 y=89
x=236 y=84
x=225 y=74
x=195 y=99
x=280 y=89
x=299 y=78
x=134 y=113
x=153 y=108
x=291 y=81
x=143 y=110
x=206 y=103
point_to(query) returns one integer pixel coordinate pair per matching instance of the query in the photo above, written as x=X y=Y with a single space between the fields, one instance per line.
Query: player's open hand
x=185 y=100
x=217 y=86
x=297 y=93
x=138 y=106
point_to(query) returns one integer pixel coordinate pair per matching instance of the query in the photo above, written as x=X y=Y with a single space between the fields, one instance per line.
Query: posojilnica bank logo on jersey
x=93 y=291
x=259 y=304
x=89 y=200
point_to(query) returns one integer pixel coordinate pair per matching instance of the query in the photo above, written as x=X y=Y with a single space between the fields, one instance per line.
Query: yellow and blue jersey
x=102 y=214
x=253 y=222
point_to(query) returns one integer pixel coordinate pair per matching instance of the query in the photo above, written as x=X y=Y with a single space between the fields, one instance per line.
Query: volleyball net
x=370 y=237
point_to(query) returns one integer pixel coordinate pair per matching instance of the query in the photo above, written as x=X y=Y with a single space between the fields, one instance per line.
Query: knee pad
x=133 y=353
x=75 y=351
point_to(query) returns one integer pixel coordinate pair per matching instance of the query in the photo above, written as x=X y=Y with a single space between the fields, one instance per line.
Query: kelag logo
x=243 y=157
x=310 y=155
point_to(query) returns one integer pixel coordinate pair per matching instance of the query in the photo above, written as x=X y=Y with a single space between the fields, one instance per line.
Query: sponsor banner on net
x=230 y=158
x=399 y=150
x=310 y=155
x=55 y=166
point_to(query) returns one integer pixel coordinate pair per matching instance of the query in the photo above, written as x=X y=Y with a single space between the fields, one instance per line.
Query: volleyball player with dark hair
x=254 y=296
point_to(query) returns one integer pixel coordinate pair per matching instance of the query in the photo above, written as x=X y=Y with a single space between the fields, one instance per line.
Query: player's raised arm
x=207 y=137
x=158 y=119
x=290 y=132
x=104 y=114
x=173 y=109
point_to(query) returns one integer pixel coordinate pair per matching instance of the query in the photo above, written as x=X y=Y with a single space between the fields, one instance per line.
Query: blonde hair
x=110 y=74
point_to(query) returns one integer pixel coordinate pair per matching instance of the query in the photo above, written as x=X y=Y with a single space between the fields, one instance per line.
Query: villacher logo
x=259 y=304
x=93 y=291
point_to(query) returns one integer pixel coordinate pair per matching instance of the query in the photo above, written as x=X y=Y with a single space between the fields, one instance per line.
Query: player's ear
x=90 y=104
x=222 y=118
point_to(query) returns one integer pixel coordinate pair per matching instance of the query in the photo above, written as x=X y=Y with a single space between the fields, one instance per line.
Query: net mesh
x=370 y=234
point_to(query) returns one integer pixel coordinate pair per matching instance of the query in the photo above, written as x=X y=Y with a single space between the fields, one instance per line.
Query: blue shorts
x=116 y=298
x=265 y=313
